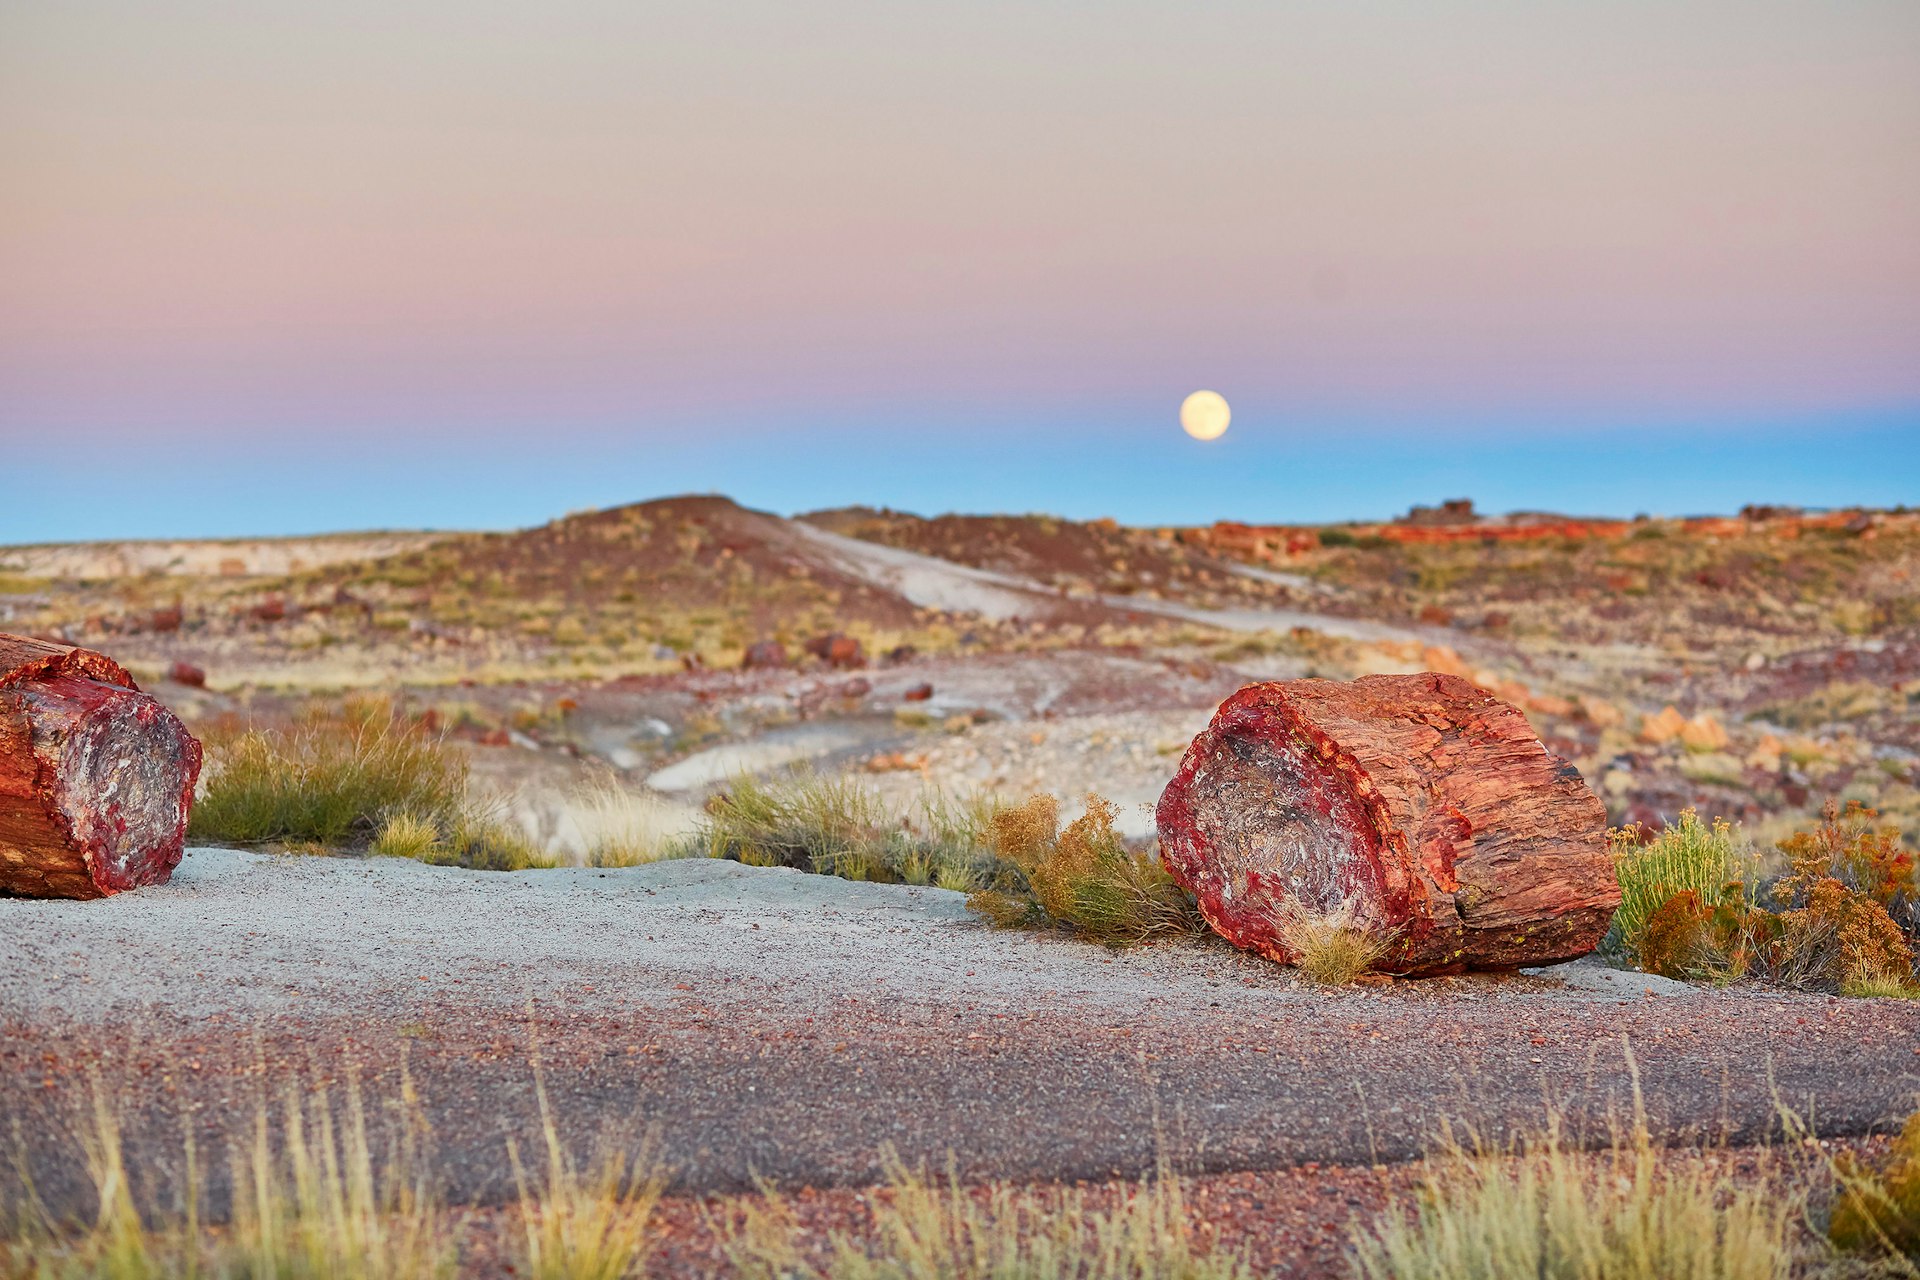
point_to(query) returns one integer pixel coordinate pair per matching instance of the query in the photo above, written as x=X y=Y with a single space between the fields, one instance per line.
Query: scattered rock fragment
x=187 y=674
x=765 y=655
x=918 y=693
x=838 y=650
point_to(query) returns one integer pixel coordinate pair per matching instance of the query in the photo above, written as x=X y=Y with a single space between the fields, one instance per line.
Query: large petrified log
x=1421 y=806
x=95 y=777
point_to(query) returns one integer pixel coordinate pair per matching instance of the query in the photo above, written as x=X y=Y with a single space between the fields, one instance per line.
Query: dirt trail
x=769 y=1022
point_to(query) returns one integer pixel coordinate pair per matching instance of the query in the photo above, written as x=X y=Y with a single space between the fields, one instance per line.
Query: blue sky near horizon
x=1147 y=475
x=289 y=268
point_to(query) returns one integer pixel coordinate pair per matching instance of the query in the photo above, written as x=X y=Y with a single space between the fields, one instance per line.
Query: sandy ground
x=765 y=1022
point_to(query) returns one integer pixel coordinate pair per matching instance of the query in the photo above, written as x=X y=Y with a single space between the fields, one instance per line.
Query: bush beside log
x=1421 y=805
x=96 y=778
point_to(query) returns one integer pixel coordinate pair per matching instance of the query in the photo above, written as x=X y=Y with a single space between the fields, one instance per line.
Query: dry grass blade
x=624 y=828
x=313 y=1204
x=1548 y=1211
x=941 y=1230
x=587 y=1223
x=835 y=827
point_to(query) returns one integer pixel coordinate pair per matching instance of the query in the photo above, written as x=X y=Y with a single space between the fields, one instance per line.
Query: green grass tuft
x=361 y=773
x=836 y=827
x=334 y=777
x=406 y=835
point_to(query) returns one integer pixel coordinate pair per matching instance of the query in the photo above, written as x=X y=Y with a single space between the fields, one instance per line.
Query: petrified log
x=1421 y=806
x=95 y=777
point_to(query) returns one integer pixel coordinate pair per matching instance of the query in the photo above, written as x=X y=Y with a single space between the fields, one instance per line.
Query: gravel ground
x=764 y=1022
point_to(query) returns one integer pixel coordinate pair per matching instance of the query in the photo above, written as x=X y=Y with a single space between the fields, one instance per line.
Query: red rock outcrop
x=96 y=778
x=1422 y=805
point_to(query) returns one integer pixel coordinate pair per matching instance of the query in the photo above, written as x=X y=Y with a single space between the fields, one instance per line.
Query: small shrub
x=1687 y=857
x=336 y=776
x=1336 y=538
x=1084 y=877
x=1838 y=930
x=1547 y=1211
x=1330 y=948
x=1878 y=1210
x=1688 y=911
x=1715 y=939
x=1846 y=847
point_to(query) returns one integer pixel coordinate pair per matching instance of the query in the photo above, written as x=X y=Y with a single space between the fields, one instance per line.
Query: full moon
x=1204 y=415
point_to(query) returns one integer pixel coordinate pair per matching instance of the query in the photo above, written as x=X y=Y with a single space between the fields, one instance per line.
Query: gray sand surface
x=238 y=932
x=770 y=1023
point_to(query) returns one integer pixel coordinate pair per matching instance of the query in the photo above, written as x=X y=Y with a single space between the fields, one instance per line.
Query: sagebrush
x=1083 y=877
x=1840 y=918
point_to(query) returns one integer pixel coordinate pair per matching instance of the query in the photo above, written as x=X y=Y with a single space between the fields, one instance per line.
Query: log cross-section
x=96 y=778
x=1421 y=807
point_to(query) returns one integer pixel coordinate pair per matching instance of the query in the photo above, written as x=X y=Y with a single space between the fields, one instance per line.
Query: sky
x=271 y=268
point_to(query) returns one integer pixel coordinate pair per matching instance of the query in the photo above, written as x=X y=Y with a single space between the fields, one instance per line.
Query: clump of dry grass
x=312 y=1201
x=318 y=1204
x=1330 y=948
x=624 y=828
x=1084 y=877
x=406 y=835
x=833 y=826
x=314 y=1204
x=584 y=1222
x=940 y=1230
x=1876 y=1210
x=1545 y=1210
x=337 y=775
x=359 y=773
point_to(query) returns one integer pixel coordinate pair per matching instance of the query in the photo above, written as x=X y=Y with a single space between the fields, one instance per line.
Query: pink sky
x=438 y=221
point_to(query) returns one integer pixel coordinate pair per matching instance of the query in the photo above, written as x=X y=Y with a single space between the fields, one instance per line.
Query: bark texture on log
x=1422 y=804
x=96 y=778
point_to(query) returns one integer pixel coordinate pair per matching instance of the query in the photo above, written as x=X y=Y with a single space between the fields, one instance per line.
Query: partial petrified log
x=1421 y=806
x=96 y=778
